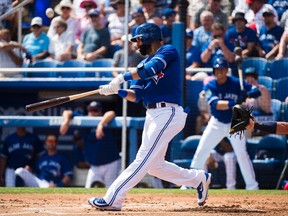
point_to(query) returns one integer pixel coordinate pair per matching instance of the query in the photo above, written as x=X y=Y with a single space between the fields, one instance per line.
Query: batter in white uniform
x=158 y=86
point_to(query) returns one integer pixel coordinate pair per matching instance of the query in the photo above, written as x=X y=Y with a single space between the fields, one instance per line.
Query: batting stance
x=158 y=86
x=222 y=94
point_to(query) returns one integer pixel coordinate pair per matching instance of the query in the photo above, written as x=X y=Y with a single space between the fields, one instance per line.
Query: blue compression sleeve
x=254 y=93
x=269 y=127
x=127 y=76
x=123 y=93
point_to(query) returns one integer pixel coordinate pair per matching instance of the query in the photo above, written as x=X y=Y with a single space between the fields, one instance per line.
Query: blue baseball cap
x=167 y=12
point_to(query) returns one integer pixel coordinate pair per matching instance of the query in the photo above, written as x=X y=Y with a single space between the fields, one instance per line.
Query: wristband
x=231 y=103
x=269 y=127
x=127 y=76
x=123 y=93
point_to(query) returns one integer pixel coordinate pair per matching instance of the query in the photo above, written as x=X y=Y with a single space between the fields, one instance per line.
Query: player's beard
x=144 y=49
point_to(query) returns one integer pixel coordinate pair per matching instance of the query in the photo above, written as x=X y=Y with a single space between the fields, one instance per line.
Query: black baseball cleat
x=202 y=189
x=100 y=203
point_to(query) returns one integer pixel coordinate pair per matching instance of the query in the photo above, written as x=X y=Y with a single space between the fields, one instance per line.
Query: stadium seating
x=45 y=63
x=269 y=159
x=104 y=62
x=73 y=63
x=187 y=150
x=279 y=68
x=276 y=109
x=268 y=82
x=281 y=88
x=260 y=64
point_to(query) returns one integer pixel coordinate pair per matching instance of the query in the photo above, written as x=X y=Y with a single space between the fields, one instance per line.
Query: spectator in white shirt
x=62 y=43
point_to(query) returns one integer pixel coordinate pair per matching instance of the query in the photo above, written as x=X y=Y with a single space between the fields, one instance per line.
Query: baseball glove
x=240 y=119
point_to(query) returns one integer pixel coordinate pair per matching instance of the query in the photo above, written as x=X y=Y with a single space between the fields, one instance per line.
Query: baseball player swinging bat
x=57 y=101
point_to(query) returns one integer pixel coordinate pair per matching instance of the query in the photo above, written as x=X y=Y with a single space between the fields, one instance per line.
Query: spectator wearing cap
x=217 y=47
x=62 y=43
x=100 y=146
x=168 y=16
x=84 y=20
x=254 y=15
x=134 y=57
x=262 y=104
x=151 y=12
x=193 y=59
x=64 y=9
x=138 y=18
x=95 y=41
x=116 y=21
x=246 y=37
x=283 y=46
x=270 y=35
x=214 y=6
x=37 y=42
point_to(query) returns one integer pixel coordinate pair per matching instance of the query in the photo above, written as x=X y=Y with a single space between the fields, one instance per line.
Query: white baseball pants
x=31 y=180
x=212 y=135
x=161 y=125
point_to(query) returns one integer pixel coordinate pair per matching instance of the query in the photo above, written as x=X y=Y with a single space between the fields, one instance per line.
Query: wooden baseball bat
x=57 y=101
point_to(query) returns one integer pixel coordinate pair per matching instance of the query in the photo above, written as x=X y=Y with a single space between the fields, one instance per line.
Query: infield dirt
x=145 y=204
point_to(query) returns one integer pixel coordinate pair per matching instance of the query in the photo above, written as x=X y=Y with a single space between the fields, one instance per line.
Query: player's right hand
x=109 y=89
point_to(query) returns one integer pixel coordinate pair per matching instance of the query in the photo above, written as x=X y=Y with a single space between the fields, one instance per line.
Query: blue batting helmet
x=148 y=32
x=220 y=63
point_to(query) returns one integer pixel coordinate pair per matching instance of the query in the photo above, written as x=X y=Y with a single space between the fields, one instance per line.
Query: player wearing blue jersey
x=222 y=94
x=53 y=169
x=100 y=147
x=158 y=86
x=19 y=150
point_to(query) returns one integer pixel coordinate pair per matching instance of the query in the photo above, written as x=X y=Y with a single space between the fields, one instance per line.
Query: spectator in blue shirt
x=270 y=35
x=37 y=42
x=169 y=17
x=192 y=54
x=203 y=34
x=246 y=37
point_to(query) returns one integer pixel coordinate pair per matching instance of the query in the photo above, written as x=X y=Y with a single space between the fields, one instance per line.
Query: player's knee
x=19 y=170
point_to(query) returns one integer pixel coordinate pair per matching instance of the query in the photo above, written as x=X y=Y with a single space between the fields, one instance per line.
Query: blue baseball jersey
x=269 y=38
x=244 y=38
x=166 y=85
x=100 y=151
x=53 y=168
x=78 y=155
x=36 y=45
x=21 y=151
x=230 y=90
x=193 y=54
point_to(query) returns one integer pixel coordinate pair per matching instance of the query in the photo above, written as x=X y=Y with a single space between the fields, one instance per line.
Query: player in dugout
x=158 y=86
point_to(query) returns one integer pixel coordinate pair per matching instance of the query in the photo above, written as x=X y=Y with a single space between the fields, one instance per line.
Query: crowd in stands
x=88 y=30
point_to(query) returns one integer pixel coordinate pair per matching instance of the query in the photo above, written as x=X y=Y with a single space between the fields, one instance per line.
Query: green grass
x=134 y=191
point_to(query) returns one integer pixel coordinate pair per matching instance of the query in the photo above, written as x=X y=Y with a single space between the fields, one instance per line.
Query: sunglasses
x=88 y=6
x=267 y=15
x=36 y=26
x=65 y=8
x=57 y=26
x=217 y=36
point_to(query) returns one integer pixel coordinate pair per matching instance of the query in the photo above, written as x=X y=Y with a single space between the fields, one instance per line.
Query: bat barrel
x=46 y=104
